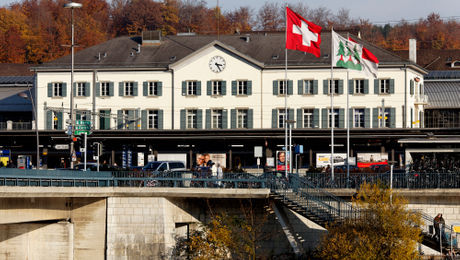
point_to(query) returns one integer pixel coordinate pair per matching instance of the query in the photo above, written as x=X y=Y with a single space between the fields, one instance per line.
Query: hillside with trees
x=36 y=31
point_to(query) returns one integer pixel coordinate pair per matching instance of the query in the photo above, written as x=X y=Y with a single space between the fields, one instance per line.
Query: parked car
x=161 y=166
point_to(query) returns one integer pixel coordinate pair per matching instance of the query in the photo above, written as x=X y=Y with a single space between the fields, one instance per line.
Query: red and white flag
x=301 y=34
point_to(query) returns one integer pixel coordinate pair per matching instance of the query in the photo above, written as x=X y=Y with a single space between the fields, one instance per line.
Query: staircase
x=325 y=209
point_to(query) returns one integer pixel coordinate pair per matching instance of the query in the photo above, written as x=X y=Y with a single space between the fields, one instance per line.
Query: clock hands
x=218 y=66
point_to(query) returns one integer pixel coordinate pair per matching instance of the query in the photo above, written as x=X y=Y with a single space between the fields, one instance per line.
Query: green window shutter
x=234 y=83
x=249 y=87
x=130 y=120
x=274 y=118
x=111 y=89
x=351 y=87
x=208 y=118
x=160 y=89
x=64 y=89
x=208 y=88
x=411 y=118
x=50 y=89
x=144 y=119
x=340 y=86
x=316 y=118
x=49 y=120
x=199 y=119
x=300 y=87
x=376 y=86
x=182 y=119
x=184 y=88
x=121 y=88
x=325 y=86
x=341 y=118
x=290 y=87
x=198 y=88
x=224 y=88
x=350 y=118
x=275 y=87
x=250 y=118
x=315 y=87
x=87 y=89
x=135 y=89
x=120 y=119
x=299 y=117
x=88 y=116
x=392 y=117
x=291 y=114
x=392 y=86
x=366 y=86
x=145 y=88
x=367 y=118
x=411 y=87
x=324 y=118
x=375 y=118
x=74 y=89
x=224 y=119
x=233 y=118
x=160 y=119
x=59 y=117
x=98 y=89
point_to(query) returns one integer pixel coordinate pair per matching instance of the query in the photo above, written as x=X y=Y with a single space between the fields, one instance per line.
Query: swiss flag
x=301 y=34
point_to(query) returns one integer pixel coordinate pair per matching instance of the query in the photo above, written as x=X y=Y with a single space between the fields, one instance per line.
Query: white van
x=161 y=166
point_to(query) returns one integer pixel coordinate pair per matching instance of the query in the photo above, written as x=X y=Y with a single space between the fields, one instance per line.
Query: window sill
x=241 y=95
x=57 y=97
x=153 y=96
x=308 y=95
x=359 y=94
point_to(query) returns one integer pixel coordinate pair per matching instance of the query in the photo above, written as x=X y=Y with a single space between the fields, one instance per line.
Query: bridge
x=106 y=214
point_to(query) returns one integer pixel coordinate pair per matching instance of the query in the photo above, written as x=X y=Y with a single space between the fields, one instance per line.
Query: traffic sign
x=80 y=132
x=82 y=127
x=61 y=146
x=82 y=122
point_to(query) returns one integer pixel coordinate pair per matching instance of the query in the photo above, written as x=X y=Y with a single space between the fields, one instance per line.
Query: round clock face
x=217 y=64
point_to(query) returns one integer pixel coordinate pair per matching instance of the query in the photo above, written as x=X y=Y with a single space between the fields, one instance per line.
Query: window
x=336 y=118
x=242 y=118
x=282 y=117
x=384 y=86
x=336 y=86
x=191 y=88
x=359 y=86
x=282 y=89
x=308 y=118
x=56 y=122
x=152 y=119
x=82 y=115
x=127 y=119
x=104 y=119
x=105 y=89
x=385 y=122
x=129 y=89
x=216 y=87
x=57 y=90
x=242 y=87
x=153 y=88
x=81 y=89
x=216 y=118
x=358 y=117
x=308 y=87
x=192 y=116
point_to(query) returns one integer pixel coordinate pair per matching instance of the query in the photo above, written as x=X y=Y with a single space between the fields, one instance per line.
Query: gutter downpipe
x=172 y=98
x=405 y=96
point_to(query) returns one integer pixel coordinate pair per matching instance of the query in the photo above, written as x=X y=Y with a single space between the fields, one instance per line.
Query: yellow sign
x=456 y=229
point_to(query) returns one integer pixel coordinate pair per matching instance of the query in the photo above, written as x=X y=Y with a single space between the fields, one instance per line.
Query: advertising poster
x=366 y=160
x=324 y=159
x=282 y=160
x=206 y=159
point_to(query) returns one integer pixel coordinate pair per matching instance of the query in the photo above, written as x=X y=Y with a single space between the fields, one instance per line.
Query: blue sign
x=299 y=149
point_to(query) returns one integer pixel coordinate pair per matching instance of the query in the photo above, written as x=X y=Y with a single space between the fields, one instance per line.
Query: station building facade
x=196 y=87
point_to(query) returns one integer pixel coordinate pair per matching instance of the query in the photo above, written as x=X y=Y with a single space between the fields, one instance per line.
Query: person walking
x=438 y=223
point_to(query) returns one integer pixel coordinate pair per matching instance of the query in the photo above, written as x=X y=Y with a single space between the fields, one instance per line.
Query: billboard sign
x=324 y=159
x=366 y=160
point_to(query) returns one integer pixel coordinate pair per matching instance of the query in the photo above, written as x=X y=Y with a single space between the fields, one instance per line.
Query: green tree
x=386 y=229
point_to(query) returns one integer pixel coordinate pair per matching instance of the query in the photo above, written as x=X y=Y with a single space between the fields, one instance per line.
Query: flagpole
x=287 y=156
x=348 y=123
x=332 y=88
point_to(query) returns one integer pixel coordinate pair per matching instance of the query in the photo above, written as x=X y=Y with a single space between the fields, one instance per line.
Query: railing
x=409 y=180
x=421 y=98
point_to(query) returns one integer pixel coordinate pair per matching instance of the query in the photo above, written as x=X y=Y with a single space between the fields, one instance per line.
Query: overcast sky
x=377 y=11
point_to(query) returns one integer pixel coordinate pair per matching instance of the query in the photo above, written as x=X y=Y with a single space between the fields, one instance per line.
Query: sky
x=376 y=11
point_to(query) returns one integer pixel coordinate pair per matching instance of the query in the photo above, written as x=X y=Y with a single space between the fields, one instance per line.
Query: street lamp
x=72 y=6
x=34 y=111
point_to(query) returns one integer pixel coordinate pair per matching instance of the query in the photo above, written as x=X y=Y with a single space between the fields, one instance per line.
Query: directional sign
x=82 y=122
x=82 y=127
x=80 y=132
x=61 y=146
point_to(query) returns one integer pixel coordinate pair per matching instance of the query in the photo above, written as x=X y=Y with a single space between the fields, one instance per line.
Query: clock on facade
x=217 y=64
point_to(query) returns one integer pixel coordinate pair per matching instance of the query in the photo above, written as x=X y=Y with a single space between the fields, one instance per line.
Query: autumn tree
x=270 y=17
x=385 y=229
x=240 y=19
x=170 y=15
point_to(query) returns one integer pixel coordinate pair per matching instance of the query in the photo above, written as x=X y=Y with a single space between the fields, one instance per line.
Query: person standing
x=438 y=222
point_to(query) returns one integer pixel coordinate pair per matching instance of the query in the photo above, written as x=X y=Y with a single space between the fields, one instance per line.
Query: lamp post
x=72 y=6
x=34 y=111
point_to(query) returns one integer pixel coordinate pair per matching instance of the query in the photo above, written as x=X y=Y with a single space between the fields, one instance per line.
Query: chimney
x=150 y=38
x=413 y=50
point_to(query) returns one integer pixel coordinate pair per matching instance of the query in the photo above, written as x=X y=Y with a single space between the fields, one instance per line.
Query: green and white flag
x=351 y=55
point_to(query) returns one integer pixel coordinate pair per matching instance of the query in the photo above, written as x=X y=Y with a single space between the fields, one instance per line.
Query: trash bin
x=186 y=175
